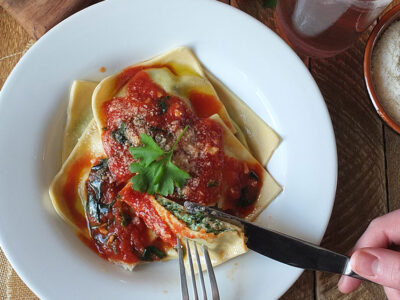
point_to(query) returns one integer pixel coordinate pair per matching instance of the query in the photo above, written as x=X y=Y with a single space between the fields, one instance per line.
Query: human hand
x=372 y=260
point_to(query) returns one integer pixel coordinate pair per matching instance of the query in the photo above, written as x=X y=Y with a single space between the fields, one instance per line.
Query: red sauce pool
x=70 y=190
x=204 y=105
x=243 y=182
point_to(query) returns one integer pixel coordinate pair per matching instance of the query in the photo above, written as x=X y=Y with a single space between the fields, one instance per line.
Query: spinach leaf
x=162 y=104
x=197 y=221
x=94 y=205
x=120 y=134
x=125 y=219
x=151 y=251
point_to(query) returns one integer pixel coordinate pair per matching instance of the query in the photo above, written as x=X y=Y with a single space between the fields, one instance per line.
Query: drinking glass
x=323 y=28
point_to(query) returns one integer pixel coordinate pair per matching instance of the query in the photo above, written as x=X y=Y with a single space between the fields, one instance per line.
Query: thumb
x=377 y=264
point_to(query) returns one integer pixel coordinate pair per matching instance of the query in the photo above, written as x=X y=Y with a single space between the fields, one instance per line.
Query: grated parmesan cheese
x=386 y=70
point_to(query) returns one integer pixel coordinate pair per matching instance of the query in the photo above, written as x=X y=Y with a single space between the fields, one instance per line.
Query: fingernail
x=341 y=280
x=364 y=263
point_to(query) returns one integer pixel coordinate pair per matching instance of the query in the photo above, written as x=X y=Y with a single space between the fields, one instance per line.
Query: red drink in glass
x=323 y=28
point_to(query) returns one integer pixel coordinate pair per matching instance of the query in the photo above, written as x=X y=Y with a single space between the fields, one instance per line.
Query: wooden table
x=368 y=151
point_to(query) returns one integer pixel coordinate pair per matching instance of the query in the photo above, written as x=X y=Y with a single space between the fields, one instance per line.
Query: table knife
x=281 y=247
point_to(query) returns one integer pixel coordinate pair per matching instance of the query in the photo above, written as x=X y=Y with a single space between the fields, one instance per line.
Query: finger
x=379 y=265
x=392 y=294
x=348 y=284
x=381 y=232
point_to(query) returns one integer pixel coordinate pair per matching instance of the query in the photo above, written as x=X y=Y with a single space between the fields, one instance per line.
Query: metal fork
x=210 y=270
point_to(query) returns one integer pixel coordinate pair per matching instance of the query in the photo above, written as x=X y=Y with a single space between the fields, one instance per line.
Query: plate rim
x=18 y=268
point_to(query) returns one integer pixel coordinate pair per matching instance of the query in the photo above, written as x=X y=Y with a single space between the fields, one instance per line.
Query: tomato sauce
x=149 y=109
x=70 y=191
x=204 y=105
x=243 y=183
x=141 y=203
x=130 y=72
x=123 y=222
x=117 y=233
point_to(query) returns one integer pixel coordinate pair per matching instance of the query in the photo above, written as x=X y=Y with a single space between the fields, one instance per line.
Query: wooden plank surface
x=39 y=16
x=368 y=151
x=392 y=150
x=361 y=190
x=13 y=42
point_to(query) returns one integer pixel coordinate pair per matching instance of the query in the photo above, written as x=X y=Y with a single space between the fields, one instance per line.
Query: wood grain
x=14 y=41
x=38 y=16
x=392 y=147
x=361 y=190
x=257 y=10
x=392 y=144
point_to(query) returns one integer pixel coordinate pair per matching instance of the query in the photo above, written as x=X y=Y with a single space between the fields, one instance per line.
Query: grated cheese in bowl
x=386 y=70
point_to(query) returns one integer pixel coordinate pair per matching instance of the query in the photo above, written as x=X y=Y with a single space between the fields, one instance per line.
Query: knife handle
x=283 y=248
x=296 y=252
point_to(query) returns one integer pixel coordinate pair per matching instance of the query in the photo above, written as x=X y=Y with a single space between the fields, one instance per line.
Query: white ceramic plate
x=249 y=58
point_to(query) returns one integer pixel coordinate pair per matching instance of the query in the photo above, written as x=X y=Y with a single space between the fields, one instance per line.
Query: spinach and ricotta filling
x=196 y=221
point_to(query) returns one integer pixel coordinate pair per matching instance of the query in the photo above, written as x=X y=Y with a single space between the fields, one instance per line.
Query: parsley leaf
x=149 y=152
x=155 y=172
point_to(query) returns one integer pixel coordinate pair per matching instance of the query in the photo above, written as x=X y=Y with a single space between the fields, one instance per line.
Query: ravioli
x=79 y=114
x=67 y=188
x=223 y=240
x=165 y=98
x=178 y=73
x=262 y=140
x=270 y=188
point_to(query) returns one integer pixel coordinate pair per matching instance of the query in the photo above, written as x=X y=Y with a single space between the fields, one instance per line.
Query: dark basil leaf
x=162 y=104
x=151 y=251
x=125 y=219
x=120 y=134
x=253 y=175
x=94 y=205
x=244 y=199
x=212 y=183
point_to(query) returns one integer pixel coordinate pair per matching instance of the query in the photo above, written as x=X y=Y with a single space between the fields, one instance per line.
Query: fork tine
x=210 y=270
x=192 y=270
x=184 y=288
x=200 y=272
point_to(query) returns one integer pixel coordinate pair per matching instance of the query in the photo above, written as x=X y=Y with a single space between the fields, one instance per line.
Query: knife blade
x=282 y=247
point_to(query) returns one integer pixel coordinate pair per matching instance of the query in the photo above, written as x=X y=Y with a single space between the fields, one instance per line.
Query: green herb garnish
x=151 y=251
x=155 y=172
